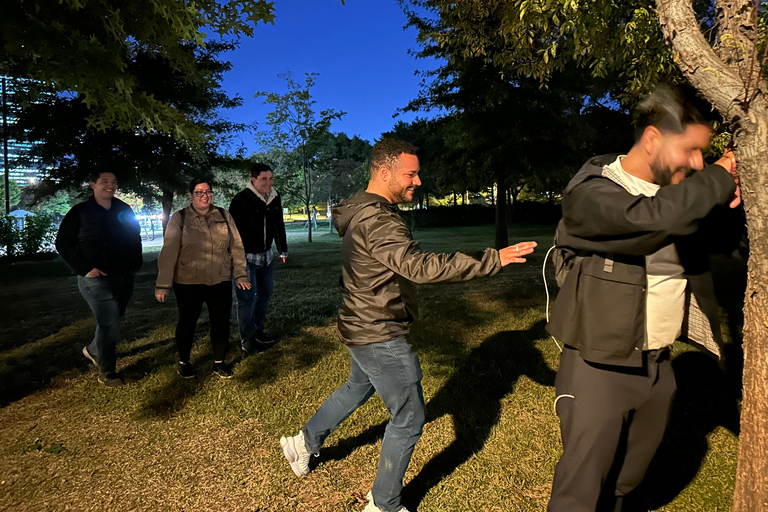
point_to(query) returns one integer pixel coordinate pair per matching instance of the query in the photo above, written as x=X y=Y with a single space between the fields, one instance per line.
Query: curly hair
x=387 y=151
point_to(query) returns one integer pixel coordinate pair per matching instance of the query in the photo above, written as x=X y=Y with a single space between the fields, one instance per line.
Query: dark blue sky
x=359 y=50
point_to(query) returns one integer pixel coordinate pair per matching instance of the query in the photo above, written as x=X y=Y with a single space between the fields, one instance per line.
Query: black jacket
x=91 y=236
x=600 y=309
x=259 y=223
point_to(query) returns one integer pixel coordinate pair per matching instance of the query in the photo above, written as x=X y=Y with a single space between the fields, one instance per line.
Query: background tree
x=507 y=130
x=298 y=130
x=720 y=48
x=88 y=49
x=345 y=163
x=149 y=163
x=14 y=194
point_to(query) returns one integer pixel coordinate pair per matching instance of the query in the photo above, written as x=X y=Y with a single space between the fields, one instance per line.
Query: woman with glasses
x=201 y=254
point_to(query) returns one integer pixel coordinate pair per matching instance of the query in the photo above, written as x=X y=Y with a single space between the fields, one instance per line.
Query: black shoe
x=111 y=380
x=223 y=370
x=186 y=370
x=87 y=353
x=254 y=346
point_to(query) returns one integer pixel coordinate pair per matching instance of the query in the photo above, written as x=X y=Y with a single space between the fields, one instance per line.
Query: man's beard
x=662 y=176
x=397 y=193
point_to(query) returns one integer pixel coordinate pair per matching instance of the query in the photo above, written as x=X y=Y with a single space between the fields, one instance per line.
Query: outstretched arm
x=515 y=253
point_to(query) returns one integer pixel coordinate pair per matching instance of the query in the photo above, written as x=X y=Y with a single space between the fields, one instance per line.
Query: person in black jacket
x=638 y=280
x=101 y=240
x=258 y=215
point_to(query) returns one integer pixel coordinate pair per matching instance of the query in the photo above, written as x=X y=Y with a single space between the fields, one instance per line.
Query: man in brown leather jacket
x=380 y=263
x=636 y=281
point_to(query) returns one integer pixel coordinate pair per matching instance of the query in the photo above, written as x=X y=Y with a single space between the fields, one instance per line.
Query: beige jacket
x=208 y=250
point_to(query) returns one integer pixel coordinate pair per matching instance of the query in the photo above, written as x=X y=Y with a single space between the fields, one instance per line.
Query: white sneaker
x=371 y=507
x=295 y=451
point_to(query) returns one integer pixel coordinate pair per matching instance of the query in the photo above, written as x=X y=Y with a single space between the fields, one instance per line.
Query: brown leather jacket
x=380 y=264
x=207 y=250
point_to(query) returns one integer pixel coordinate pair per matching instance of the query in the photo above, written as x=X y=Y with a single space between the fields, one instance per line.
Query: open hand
x=515 y=253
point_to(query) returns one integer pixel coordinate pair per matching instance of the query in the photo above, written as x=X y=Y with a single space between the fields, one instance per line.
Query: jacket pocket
x=186 y=271
x=600 y=308
x=224 y=264
x=611 y=313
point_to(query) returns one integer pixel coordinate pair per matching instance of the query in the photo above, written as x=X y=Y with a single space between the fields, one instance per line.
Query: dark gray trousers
x=612 y=420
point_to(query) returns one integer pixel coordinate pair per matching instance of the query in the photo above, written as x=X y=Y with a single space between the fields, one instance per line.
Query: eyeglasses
x=201 y=193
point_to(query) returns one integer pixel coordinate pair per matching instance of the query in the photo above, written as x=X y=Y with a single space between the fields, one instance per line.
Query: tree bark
x=735 y=87
x=166 y=200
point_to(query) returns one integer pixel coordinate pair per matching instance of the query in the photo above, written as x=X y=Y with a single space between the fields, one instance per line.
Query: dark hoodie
x=600 y=309
x=380 y=264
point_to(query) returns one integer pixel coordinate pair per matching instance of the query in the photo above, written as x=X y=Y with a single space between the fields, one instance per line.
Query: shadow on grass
x=702 y=403
x=33 y=370
x=167 y=400
x=472 y=397
x=138 y=369
x=285 y=357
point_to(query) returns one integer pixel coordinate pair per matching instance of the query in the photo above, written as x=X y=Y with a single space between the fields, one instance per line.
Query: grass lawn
x=162 y=443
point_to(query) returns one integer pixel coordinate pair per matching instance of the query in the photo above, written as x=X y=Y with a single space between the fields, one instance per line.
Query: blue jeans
x=252 y=304
x=392 y=370
x=107 y=297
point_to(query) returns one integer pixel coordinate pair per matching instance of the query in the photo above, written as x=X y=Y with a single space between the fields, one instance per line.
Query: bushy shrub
x=10 y=235
x=36 y=236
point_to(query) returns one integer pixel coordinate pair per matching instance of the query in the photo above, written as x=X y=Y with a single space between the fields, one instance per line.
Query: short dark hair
x=259 y=168
x=387 y=151
x=197 y=181
x=93 y=177
x=668 y=110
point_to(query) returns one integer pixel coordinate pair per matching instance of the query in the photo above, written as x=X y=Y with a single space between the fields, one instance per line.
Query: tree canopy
x=504 y=128
x=87 y=49
x=150 y=163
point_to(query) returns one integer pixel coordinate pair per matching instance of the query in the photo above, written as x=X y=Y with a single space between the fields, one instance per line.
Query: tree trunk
x=751 y=492
x=166 y=200
x=738 y=91
x=502 y=235
x=309 y=222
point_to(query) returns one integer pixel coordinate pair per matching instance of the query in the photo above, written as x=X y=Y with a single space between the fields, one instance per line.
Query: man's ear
x=651 y=139
x=384 y=173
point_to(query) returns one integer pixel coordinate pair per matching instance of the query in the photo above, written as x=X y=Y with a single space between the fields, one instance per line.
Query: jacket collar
x=268 y=199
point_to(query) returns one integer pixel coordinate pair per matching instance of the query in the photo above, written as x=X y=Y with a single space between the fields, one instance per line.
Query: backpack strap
x=222 y=212
x=182 y=217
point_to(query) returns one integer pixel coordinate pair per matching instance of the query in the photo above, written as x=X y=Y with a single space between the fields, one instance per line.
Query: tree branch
x=720 y=83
